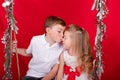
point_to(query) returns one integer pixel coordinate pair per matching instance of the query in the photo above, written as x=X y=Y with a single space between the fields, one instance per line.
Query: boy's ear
x=48 y=30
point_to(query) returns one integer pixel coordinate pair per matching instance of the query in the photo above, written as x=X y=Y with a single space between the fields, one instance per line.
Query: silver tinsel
x=100 y=6
x=7 y=38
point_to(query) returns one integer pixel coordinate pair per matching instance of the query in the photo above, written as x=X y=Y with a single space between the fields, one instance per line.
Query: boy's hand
x=46 y=78
x=14 y=45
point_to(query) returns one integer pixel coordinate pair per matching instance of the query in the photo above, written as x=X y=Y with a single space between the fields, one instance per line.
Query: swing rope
x=102 y=10
x=7 y=40
x=17 y=58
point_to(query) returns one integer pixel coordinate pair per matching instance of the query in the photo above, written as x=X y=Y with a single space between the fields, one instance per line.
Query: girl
x=76 y=60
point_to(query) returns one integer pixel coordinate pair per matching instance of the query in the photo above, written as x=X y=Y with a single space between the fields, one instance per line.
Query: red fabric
x=31 y=14
x=71 y=72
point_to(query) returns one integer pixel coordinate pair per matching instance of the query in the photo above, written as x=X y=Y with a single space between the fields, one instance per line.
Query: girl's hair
x=81 y=47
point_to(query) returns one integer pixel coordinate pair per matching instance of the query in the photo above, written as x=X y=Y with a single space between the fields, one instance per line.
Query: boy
x=45 y=51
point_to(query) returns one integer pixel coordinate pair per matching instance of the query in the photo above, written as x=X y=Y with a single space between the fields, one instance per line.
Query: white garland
x=100 y=6
x=7 y=38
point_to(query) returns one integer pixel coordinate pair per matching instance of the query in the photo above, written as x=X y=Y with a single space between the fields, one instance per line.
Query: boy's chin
x=59 y=41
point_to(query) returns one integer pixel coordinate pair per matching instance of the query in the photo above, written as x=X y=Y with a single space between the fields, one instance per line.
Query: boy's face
x=56 y=32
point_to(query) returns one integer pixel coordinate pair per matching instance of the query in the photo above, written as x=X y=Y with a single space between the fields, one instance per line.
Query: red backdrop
x=30 y=16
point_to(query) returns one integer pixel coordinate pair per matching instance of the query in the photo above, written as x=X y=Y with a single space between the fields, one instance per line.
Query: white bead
x=5 y=4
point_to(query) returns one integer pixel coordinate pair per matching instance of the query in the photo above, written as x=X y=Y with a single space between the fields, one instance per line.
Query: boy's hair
x=53 y=20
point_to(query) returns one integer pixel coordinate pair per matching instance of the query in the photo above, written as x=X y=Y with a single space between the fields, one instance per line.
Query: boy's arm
x=61 y=68
x=52 y=73
x=21 y=51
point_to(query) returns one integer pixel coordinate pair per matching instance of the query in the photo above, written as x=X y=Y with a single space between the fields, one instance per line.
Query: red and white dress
x=70 y=70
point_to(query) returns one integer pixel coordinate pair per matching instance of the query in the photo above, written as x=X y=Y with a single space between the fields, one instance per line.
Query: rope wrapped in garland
x=102 y=10
x=7 y=40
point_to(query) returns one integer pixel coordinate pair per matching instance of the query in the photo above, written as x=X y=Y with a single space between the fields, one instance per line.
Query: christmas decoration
x=102 y=10
x=7 y=38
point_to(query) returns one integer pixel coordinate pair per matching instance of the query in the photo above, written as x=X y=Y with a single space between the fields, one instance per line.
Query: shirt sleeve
x=30 y=47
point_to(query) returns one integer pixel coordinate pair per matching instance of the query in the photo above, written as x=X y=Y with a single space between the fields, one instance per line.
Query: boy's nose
x=62 y=38
x=62 y=34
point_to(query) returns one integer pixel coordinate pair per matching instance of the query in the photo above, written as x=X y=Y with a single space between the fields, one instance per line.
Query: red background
x=31 y=14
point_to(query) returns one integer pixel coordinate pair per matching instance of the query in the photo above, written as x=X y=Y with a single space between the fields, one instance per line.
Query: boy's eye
x=59 y=31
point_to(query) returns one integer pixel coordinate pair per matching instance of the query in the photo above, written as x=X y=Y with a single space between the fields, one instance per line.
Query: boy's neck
x=49 y=40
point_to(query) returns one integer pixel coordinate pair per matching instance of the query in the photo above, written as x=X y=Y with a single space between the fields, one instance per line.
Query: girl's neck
x=70 y=52
x=49 y=40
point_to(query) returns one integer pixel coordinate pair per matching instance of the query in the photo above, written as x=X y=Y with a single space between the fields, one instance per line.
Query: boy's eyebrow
x=60 y=28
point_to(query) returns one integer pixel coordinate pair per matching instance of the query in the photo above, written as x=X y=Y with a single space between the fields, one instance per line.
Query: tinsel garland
x=7 y=37
x=102 y=10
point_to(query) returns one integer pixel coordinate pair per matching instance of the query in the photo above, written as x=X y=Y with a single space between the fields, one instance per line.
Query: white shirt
x=44 y=56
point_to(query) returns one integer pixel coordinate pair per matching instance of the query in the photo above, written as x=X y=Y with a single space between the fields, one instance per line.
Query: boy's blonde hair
x=81 y=46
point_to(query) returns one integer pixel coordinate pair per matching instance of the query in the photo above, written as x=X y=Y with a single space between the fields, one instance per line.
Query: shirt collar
x=46 y=43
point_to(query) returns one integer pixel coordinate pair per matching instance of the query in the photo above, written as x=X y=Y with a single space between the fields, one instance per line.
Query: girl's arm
x=61 y=68
x=52 y=73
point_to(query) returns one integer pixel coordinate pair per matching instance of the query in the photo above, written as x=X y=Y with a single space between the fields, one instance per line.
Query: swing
x=12 y=29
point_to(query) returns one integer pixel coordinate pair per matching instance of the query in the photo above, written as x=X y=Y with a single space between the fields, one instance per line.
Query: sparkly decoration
x=7 y=38
x=100 y=6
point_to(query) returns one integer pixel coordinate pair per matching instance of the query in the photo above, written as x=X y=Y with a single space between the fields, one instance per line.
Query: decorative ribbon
x=71 y=72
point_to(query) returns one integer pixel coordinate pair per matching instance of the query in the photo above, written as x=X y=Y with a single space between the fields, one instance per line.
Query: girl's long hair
x=81 y=47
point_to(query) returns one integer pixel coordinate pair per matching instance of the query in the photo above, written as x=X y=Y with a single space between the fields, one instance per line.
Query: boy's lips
x=60 y=39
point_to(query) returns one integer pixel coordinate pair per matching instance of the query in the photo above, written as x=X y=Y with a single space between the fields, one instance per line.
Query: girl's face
x=67 y=40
